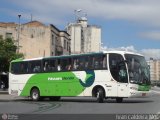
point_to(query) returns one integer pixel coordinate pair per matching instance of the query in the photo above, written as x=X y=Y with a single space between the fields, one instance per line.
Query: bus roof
x=76 y=55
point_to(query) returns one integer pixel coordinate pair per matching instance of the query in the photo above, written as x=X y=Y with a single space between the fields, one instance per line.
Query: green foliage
x=7 y=53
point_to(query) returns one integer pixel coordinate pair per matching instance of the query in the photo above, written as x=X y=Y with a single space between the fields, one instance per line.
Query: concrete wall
x=36 y=39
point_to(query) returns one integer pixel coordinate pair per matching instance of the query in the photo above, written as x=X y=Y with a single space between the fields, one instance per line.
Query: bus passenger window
x=59 y=65
x=104 y=61
x=23 y=68
x=91 y=62
x=46 y=66
x=69 y=64
x=35 y=66
x=49 y=65
x=75 y=64
x=81 y=63
x=86 y=62
x=97 y=62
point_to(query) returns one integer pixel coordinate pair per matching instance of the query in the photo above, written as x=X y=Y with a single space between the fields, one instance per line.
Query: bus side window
x=52 y=65
x=45 y=65
x=49 y=65
x=23 y=68
x=75 y=63
x=59 y=67
x=35 y=66
x=69 y=64
x=86 y=62
x=81 y=63
x=66 y=64
x=19 y=68
x=91 y=62
x=15 y=68
x=104 y=61
x=97 y=61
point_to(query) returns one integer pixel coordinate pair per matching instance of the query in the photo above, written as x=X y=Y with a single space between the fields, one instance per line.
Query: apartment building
x=154 y=69
x=84 y=38
x=36 y=39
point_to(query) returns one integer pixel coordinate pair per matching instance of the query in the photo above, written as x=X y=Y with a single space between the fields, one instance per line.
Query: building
x=84 y=38
x=154 y=69
x=36 y=39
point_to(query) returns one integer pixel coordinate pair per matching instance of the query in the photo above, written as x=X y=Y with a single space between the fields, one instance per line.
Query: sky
x=132 y=25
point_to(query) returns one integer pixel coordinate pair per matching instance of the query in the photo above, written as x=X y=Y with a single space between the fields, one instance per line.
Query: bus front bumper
x=140 y=94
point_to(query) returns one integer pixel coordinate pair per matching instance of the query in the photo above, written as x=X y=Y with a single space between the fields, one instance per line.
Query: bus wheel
x=100 y=95
x=35 y=94
x=55 y=98
x=119 y=100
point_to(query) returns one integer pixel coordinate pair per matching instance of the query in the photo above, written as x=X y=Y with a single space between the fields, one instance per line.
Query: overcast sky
x=126 y=24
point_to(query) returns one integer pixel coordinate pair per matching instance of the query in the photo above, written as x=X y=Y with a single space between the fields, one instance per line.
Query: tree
x=7 y=53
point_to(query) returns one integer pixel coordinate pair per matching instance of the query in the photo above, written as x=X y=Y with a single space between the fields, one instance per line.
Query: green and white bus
x=111 y=74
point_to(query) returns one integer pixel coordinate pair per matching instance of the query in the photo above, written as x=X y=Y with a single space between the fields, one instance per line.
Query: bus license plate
x=143 y=94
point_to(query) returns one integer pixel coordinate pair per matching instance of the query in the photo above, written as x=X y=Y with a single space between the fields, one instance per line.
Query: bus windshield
x=138 y=69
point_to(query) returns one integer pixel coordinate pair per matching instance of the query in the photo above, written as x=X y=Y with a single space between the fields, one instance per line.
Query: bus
x=107 y=74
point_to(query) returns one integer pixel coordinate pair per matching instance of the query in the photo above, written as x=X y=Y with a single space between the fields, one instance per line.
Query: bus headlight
x=133 y=88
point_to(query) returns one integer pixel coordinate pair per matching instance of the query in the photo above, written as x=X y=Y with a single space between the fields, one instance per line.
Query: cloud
x=141 y=11
x=128 y=48
x=148 y=53
x=151 y=53
x=155 y=35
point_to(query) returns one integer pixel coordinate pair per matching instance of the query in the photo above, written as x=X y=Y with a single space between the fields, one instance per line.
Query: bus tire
x=100 y=95
x=35 y=94
x=55 y=98
x=119 y=100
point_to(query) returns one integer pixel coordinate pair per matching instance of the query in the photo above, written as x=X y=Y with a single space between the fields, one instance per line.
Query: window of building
x=52 y=39
x=64 y=44
x=67 y=46
x=8 y=35
x=52 y=54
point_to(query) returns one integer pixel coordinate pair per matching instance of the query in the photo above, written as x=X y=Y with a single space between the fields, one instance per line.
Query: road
x=81 y=105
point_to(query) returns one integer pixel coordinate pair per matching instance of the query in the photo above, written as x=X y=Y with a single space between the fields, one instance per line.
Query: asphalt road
x=81 y=105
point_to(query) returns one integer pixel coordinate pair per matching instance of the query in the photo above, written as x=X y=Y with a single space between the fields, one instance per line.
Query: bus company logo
x=53 y=78
x=4 y=116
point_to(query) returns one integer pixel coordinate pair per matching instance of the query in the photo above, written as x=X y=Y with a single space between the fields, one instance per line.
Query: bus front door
x=122 y=89
x=122 y=84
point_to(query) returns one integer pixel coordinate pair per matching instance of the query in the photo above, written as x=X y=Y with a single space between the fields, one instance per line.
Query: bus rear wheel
x=100 y=95
x=35 y=94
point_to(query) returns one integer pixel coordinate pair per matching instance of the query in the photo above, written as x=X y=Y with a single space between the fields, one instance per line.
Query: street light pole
x=18 y=33
x=76 y=18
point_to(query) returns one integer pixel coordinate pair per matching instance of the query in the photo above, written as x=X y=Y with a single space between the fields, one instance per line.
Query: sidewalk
x=7 y=97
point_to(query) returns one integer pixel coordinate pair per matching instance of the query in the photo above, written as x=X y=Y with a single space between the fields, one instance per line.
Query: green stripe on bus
x=144 y=87
x=58 y=84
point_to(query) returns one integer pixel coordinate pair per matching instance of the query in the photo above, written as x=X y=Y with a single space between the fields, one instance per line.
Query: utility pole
x=19 y=16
